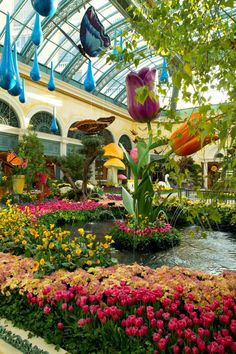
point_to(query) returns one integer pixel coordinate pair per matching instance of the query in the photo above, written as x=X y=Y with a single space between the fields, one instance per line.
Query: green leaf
x=131 y=162
x=128 y=201
x=144 y=195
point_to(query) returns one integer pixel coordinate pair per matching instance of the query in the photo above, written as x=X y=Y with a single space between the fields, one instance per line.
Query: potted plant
x=18 y=177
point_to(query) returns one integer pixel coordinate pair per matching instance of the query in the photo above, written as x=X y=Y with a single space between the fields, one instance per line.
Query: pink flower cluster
x=147 y=231
x=172 y=324
x=41 y=208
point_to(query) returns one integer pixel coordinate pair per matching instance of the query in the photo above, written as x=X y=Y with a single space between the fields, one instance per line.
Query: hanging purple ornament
x=89 y=82
x=51 y=82
x=45 y=7
x=54 y=127
x=7 y=70
x=35 y=72
x=37 y=34
x=16 y=90
x=22 y=97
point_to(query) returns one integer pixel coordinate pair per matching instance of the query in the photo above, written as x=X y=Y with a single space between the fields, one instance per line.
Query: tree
x=92 y=148
x=72 y=167
x=31 y=148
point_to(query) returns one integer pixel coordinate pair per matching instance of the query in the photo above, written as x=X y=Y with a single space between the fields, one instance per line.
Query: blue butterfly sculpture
x=92 y=36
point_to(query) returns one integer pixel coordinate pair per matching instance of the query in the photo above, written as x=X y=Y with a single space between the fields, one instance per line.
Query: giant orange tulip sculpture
x=186 y=139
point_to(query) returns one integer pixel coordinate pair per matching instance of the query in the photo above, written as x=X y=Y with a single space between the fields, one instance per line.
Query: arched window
x=8 y=115
x=126 y=142
x=75 y=134
x=41 y=122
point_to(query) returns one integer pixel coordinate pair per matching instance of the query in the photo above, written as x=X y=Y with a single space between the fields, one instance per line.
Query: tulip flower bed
x=51 y=248
x=144 y=237
x=122 y=309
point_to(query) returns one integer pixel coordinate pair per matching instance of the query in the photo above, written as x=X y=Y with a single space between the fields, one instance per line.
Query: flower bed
x=51 y=248
x=42 y=208
x=144 y=238
x=122 y=309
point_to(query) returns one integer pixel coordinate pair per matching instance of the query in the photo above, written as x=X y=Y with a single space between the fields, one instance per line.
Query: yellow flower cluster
x=50 y=247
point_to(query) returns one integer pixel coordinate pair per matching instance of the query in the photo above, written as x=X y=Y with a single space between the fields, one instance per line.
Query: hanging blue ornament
x=54 y=126
x=7 y=70
x=51 y=83
x=16 y=90
x=164 y=73
x=22 y=97
x=37 y=34
x=115 y=45
x=35 y=72
x=89 y=82
x=45 y=7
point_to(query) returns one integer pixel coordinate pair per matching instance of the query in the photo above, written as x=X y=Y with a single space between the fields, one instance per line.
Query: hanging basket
x=18 y=183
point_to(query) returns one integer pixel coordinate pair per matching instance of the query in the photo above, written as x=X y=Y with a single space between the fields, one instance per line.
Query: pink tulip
x=134 y=154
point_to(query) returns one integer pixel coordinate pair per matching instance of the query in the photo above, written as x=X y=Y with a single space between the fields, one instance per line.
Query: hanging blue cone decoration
x=7 y=70
x=35 y=73
x=22 y=97
x=37 y=34
x=164 y=73
x=89 y=82
x=45 y=7
x=114 y=52
x=16 y=90
x=51 y=83
x=54 y=127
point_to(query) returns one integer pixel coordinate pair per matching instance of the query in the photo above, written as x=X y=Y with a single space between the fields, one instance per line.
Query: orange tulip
x=184 y=142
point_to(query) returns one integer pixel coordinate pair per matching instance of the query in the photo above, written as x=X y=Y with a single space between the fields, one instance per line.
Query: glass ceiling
x=69 y=64
x=67 y=60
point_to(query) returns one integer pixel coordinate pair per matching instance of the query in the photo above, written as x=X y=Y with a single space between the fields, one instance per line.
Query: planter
x=18 y=183
x=42 y=177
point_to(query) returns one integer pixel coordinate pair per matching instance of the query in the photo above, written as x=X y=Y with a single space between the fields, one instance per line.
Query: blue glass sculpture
x=37 y=34
x=7 y=70
x=164 y=73
x=121 y=45
x=114 y=52
x=45 y=7
x=54 y=126
x=16 y=90
x=89 y=82
x=22 y=97
x=51 y=82
x=35 y=72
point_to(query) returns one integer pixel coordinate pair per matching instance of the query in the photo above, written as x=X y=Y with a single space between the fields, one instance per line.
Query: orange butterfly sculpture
x=14 y=160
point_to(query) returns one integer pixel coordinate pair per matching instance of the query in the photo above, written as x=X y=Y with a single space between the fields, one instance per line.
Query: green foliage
x=31 y=148
x=73 y=164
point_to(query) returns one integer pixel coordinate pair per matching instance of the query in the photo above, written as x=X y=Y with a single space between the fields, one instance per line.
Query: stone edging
x=19 y=339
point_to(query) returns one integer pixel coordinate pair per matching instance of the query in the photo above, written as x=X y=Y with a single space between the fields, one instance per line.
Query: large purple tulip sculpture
x=143 y=106
x=150 y=109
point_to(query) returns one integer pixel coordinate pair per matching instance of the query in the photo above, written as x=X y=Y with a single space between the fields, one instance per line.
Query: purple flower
x=151 y=107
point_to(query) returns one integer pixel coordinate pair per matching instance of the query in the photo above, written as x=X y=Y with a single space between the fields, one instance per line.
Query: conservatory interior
x=117 y=176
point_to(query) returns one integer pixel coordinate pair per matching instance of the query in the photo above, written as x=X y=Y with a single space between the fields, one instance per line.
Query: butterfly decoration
x=92 y=35
x=91 y=126
x=93 y=41
x=13 y=159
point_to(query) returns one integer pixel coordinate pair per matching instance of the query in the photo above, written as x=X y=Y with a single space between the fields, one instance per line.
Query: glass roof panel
x=65 y=56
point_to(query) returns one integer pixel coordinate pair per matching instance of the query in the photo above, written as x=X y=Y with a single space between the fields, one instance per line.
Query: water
x=213 y=255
